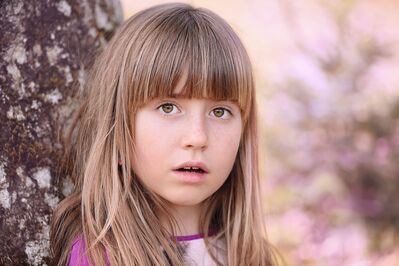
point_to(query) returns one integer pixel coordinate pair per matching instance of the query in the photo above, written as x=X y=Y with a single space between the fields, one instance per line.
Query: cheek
x=227 y=144
x=148 y=133
x=152 y=144
x=227 y=138
x=154 y=132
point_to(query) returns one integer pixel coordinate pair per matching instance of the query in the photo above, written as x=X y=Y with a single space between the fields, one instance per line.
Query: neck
x=187 y=218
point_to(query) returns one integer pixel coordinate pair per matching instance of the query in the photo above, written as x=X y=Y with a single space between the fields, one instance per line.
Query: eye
x=166 y=108
x=220 y=111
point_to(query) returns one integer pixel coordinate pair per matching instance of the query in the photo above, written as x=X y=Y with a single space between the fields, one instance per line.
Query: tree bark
x=45 y=47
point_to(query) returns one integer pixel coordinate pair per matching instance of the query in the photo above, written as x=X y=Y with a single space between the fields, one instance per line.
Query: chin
x=185 y=200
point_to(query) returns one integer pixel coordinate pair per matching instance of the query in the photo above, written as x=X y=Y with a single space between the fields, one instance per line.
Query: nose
x=196 y=135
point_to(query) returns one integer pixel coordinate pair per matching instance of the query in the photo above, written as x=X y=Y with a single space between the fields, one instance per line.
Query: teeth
x=188 y=168
x=196 y=169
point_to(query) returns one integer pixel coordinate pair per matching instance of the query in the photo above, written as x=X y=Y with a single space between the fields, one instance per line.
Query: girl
x=165 y=151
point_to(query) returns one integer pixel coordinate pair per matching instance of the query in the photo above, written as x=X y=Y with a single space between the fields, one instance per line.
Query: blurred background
x=328 y=91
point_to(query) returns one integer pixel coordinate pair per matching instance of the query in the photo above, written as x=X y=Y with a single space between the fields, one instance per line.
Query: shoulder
x=78 y=252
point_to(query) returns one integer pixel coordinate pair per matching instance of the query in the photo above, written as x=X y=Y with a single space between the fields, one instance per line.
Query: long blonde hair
x=110 y=207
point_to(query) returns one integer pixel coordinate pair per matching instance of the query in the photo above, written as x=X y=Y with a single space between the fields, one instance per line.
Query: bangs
x=200 y=47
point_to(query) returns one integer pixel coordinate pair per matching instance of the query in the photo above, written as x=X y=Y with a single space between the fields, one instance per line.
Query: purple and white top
x=196 y=252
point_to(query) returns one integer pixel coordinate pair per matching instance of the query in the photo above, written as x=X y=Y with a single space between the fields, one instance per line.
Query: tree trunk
x=45 y=47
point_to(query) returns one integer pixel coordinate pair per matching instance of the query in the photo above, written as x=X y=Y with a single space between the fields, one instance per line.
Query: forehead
x=179 y=93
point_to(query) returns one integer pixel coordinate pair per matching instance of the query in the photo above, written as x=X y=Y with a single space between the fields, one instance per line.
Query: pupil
x=169 y=106
x=221 y=111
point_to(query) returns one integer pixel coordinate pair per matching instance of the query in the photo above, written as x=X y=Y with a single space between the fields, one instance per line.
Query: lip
x=193 y=164
x=191 y=177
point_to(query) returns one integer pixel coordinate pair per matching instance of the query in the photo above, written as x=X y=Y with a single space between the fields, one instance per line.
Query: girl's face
x=172 y=131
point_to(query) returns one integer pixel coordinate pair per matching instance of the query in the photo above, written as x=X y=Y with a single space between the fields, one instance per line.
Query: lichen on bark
x=45 y=47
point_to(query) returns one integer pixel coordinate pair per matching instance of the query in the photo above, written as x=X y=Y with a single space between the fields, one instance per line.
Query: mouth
x=192 y=167
x=192 y=176
x=191 y=170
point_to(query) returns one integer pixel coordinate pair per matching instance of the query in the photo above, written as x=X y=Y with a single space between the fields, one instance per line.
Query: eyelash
x=169 y=103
